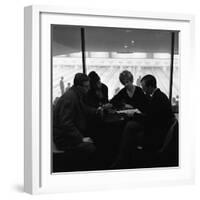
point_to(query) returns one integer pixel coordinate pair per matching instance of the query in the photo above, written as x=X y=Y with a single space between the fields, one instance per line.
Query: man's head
x=81 y=81
x=95 y=81
x=126 y=78
x=148 y=84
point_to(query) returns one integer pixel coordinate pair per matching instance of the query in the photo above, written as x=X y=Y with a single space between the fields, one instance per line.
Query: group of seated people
x=147 y=108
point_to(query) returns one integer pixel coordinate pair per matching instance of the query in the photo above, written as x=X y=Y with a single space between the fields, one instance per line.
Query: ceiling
x=67 y=39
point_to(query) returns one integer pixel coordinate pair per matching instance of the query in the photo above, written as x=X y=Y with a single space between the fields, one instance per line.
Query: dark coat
x=138 y=100
x=95 y=100
x=159 y=112
x=70 y=119
x=157 y=118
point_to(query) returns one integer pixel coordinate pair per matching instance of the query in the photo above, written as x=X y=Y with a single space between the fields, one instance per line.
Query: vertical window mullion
x=83 y=49
x=171 y=65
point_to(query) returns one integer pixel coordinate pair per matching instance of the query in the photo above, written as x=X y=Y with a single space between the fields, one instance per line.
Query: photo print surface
x=115 y=98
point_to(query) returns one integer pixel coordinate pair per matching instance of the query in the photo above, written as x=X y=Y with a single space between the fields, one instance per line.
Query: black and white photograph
x=114 y=98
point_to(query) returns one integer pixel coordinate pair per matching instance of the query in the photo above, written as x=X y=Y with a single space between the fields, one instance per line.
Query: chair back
x=172 y=133
x=55 y=150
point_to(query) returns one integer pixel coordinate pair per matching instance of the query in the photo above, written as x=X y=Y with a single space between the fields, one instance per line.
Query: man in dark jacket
x=158 y=115
x=70 y=118
x=150 y=127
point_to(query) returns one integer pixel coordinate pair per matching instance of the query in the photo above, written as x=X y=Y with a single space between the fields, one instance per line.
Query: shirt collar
x=153 y=92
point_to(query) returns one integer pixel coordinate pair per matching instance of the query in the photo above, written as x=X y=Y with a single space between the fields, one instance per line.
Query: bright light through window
x=99 y=54
x=61 y=56
x=77 y=54
x=161 y=55
x=129 y=55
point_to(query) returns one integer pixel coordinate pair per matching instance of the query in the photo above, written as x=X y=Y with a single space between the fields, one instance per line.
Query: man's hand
x=100 y=111
x=107 y=106
x=138 y=111
x=87 y=139
x=128 y=106
x=131 y=112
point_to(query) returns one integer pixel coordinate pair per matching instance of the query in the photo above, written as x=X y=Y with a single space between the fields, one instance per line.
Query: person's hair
x=80 y=78
x=149 y=80
x=94 y=78
x=125 y=75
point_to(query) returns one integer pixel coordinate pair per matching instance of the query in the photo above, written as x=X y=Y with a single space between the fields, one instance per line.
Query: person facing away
x=150 y=127
x=131 y=96
x=62 y=85
x=98 y=92
x=70 y=117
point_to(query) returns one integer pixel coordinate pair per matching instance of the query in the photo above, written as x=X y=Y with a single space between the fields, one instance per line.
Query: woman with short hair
x=131 y=96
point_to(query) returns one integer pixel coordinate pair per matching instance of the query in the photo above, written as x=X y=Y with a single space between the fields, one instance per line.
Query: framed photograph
x=107 y=100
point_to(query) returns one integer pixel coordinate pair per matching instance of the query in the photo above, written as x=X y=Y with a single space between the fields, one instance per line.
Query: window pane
x=112 y=50
x=66 y=57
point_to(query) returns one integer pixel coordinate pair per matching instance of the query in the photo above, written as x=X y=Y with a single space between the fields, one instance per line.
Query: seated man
x=151 y=126
x=158 y=115
x=70 y=118
x=98 y=92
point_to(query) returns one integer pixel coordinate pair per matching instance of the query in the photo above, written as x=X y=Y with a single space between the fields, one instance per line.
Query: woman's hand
x=87 y=139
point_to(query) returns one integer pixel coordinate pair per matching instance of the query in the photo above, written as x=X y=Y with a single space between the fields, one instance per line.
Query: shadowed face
x=98 y=84
x=128 y=84
x=147 y=89
x=85 y=87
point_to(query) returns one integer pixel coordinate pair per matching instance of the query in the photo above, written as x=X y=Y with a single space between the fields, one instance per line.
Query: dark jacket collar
x=155 y=92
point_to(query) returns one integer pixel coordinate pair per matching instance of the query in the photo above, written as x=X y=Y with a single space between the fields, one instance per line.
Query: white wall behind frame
x=11 y=100
x=133 y=179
